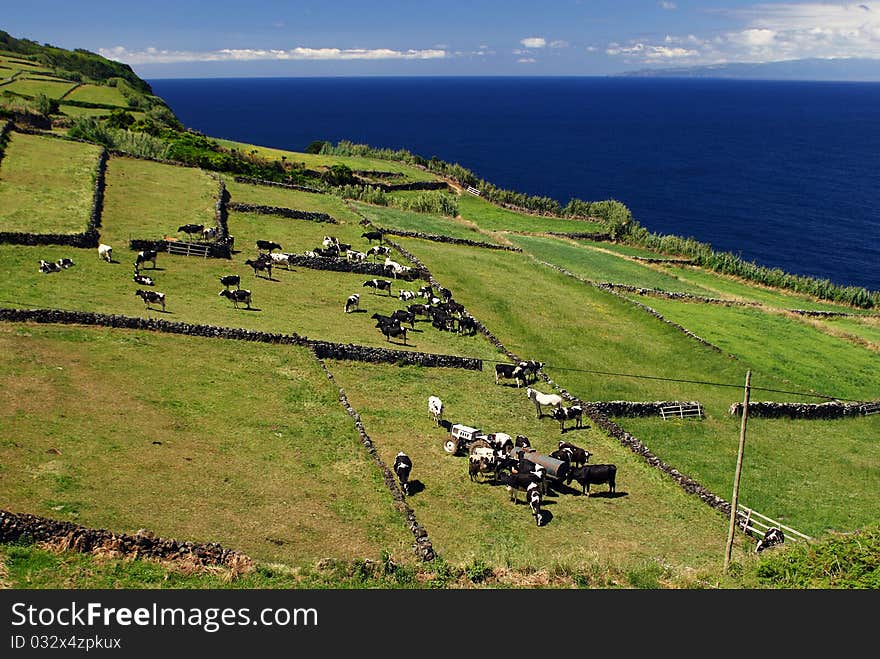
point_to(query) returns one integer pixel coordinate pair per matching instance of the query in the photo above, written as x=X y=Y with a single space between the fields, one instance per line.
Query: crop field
x=403 y=220
x=598 y=265
x=149 y=200
x=476 y=520
x=285 y=198
x=103 y=94
x=494 y=218
x=46 y=185
x=312 y=160
x=198 y=439
x=29 y=87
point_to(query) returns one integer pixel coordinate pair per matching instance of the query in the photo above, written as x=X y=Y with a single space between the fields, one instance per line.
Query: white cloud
x=775 y=32
x=668 y=6
x=559 y=43
x=157 y=56
x=526 y=60
x=534 y=42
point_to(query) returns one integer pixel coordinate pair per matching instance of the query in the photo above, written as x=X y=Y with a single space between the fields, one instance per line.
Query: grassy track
x=46 y=185
x=150 y=200
x=206 y=440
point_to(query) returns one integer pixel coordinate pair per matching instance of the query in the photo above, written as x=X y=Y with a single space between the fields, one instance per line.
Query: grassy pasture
x=468 y=520
x=626 y=250
x=402 y=220
x=784 y=347
x=51 y=89
x=600 y=266
x=287 y=198
x=198 y=439
x=494 y=218
x=313 y=161
x=866 y=329
x=146 y=199
x=98 y=94
x=305 y=301
x=46 y=185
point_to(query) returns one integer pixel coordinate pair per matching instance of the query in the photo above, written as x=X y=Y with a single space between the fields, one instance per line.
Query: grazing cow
x=522 y=441
x=145 y=256
x=46 y=267
x=210 y=233
x=268 y=245
x=379 y=250
x=530 y=370
x=406 y=296
x=191 y=228
x=65 y=262
x=382 y=319
x=403 y=467
x=352 y=302
x=404 y=316
x=773 y=536
x=435 y=407
x=427 y=291
x=372 y=235
x=500 y=441
x=509 y=372
x=354 y=255
x=105 y=252
x=392 y=330
x=419 y=309
x=593 y=475
x=444 y=293
x=563 y=414
x=280 y=259
x=543 y=400
x=577 y=455
x=520 y=480
x=467 y=325
x=533 y=497
x=143 y=280
x=231 y=280
x=151 y=297
x=379 y=284
x=261 y=265
x=237 y=296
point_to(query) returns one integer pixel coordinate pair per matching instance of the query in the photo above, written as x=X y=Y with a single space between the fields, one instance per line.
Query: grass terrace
x=402 y=220
x=865 y=330
x=472 y=521
x=286 y=198
x=626 y=250
x=29 y=87
x=600 y=266
x=487 y=215
x=98 y=94
x=46 y=185
x=205 y=440
x=149 y=200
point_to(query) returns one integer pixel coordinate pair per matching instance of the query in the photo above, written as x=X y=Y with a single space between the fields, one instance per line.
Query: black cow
x=419 y=309
x=261 y=265
x=577 y=456
x=151 y=297
x=467 y=325
x=267 y=245
x=563 y=414
x=510 y=372
x=379 y=284
x=372 y=235
x=145 y=256
x=773 y=536
x=593 y=475
x=191 y=228
x=404 y=317
x=390 y=330
x=237 y=296
x=403 y=467
x=231 y=280
x=522 y=441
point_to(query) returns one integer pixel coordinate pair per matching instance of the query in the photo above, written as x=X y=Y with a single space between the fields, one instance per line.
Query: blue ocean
x=785 y=174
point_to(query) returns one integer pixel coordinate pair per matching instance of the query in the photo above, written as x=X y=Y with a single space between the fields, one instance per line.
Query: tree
x=119 y=118
x=316 y=146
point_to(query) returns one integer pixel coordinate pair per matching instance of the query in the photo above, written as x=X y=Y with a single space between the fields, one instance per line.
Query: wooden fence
x=870 y=408
x=187 y=249
x=474 y=191
x=756 y=524
x=682 y=411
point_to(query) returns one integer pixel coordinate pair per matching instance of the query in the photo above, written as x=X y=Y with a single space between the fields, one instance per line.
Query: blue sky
x=184 y=38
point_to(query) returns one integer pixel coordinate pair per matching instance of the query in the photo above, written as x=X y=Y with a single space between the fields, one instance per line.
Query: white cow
x=105 y=252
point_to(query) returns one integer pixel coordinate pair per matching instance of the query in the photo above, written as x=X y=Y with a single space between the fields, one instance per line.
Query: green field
x=626 y=250
x=46 y=185
x=28 y=87
x=208 y=440
x=866 y=329
x=402 y=220
x=494 y=218
x=150 y=200
x=98 y=94
x=266 y=195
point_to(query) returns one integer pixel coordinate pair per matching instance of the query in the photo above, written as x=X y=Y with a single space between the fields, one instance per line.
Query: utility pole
x=739 y=460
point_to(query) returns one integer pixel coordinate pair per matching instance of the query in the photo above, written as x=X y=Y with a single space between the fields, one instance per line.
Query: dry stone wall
x=446 y=239
x=830 y=410
x=275 y=184
x=291 y=213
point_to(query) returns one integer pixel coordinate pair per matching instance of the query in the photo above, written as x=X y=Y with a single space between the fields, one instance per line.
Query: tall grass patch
x=204 y=440
x=46 y=185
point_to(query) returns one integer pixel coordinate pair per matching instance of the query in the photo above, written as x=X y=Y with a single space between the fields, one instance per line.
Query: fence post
x=739 y=459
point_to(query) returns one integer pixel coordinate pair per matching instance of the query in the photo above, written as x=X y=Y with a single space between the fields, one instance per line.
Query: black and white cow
x=145 y=256
x=593 y=475
x=773 y=536
x=467 y=325
x=577 y=456
x=237 y=296
x=379 y=250
x=406 y=296
x=562 y=414
x=49 y=266
x=262 y=265
x=404 y=316
x=390 y=330
x=379 y=284
x=143 y=280
x=65 y=262
x=267 y=245
x=402 y=467
x=352 y=302
x=509 y=372
x=151 y=297
x=533 y=497
x=521 y=480
x=191 y=228
x=231 y=280
x=530 y=369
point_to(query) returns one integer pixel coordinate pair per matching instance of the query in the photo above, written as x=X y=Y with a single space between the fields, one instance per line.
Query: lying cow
x=773 y=536
x=593 y=475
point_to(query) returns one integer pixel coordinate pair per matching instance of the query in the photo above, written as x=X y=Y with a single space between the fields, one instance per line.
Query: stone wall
x=356 y=267
x=404 y=187
x=625 y=408
x=598 y=237
x=25 y=528
x=672 y=295
x=291 y=213
x=830 y=410
x=289 y=186
x=446 y=239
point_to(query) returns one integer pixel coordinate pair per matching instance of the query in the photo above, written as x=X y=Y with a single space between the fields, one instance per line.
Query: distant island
x=844 y=69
